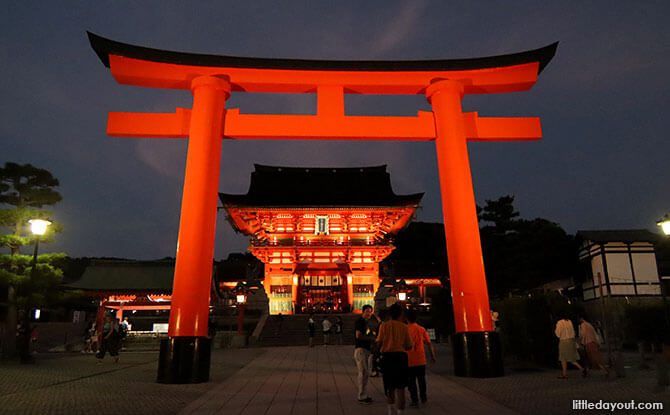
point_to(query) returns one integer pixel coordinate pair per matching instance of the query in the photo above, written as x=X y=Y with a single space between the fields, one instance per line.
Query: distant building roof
x=305 y=187
x=126 y=276
x=630 y=235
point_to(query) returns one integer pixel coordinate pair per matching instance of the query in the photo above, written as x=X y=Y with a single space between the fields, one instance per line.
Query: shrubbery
x=527 y=325
x=647 y=323
x=442 y=314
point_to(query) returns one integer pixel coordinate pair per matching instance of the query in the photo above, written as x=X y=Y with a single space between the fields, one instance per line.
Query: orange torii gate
x=185 y=355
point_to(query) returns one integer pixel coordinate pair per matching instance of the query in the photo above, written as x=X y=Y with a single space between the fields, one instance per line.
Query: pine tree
x=24 y=191
x=521 y=254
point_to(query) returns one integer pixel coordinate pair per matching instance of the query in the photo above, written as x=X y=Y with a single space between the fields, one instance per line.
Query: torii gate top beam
x=142 y=66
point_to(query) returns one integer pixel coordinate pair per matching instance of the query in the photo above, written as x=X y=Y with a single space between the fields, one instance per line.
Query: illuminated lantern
x=38 y=226
x=401 y=290
x=664 y=223
x=241 y=292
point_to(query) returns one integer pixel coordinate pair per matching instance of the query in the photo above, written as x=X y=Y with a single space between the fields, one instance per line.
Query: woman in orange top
x=417 y=359
x=395 y=341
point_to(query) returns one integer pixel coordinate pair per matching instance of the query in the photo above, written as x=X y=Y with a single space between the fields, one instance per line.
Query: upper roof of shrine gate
x=106 y=47
x=319 y=186
x=142 y=66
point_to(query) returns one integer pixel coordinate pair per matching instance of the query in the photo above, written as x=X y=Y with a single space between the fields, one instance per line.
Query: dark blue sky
x=602 y=163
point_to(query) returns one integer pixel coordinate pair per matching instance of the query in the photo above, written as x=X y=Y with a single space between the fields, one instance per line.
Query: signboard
x=160 y=328
x=321 y=227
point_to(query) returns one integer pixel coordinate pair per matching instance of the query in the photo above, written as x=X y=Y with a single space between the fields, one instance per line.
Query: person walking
x=109 y=341
x=567 y=346
x=363 y=340
x=395 y=341
x=338 y=330
x=311 y=329
x=87 y=338
x=417 y=360
x=34 y=338
x=327 y=327
x=375 y=356
x=95 y=340
x=588 y=338
x=124 y=328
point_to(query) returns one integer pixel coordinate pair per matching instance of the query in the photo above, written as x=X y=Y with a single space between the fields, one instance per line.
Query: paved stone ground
x=539 y=391
x=322 y=380
x=76 y=384
x=293 y=380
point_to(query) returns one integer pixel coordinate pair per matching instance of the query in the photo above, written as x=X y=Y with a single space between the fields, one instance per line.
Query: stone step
x=292 y=330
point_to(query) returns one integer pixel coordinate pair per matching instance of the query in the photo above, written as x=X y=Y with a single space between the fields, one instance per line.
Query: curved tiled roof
x=273 y=186
x=126 y=276
x=626 y=235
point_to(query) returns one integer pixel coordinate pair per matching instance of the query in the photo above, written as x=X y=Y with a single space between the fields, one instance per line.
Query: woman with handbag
x=567 y=346
x=589 y=338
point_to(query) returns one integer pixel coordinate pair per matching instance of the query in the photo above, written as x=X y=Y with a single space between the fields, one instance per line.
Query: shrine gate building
x=321 y=233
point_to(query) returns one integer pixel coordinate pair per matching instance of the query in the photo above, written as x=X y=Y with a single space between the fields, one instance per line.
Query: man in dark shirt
x=363 y=345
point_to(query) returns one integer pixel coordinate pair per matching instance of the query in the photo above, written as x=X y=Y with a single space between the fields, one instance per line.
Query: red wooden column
x=195 y=247
x=349 y=280
x=99 y=319
x=466 y=265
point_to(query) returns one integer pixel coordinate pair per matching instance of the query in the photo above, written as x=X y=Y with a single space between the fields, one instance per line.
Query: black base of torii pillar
x=184 y=360
x=477 y=354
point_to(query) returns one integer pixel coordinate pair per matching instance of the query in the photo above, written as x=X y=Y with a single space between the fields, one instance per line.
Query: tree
x=24 y=191
x=521 y=254
x=501 y=212
x=27 y=189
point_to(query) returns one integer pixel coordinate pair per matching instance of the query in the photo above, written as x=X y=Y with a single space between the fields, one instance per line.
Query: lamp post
x=401 y=290
x=241 y=292
x=664 y=223
x=664 y=361
x=38 y=227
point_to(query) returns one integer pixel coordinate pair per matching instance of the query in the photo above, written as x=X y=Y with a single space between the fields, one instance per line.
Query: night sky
x=602 y=163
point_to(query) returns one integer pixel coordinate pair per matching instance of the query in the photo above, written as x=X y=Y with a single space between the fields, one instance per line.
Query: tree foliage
x=527 y=325
x=648 y=323
x=520 y=254
x=500 y=212
x=24 y=191
x=37 y=286
x=24 y=185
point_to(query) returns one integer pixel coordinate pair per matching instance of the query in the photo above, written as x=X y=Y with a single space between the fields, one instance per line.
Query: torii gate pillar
x=476 y=346
x=185 y=357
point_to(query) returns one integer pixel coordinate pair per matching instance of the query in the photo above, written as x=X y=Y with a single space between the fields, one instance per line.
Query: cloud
x=400 y=29
x=165 y=156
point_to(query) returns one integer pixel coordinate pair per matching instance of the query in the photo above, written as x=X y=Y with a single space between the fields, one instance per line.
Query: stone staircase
x=292 y=330
x=142 y=344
